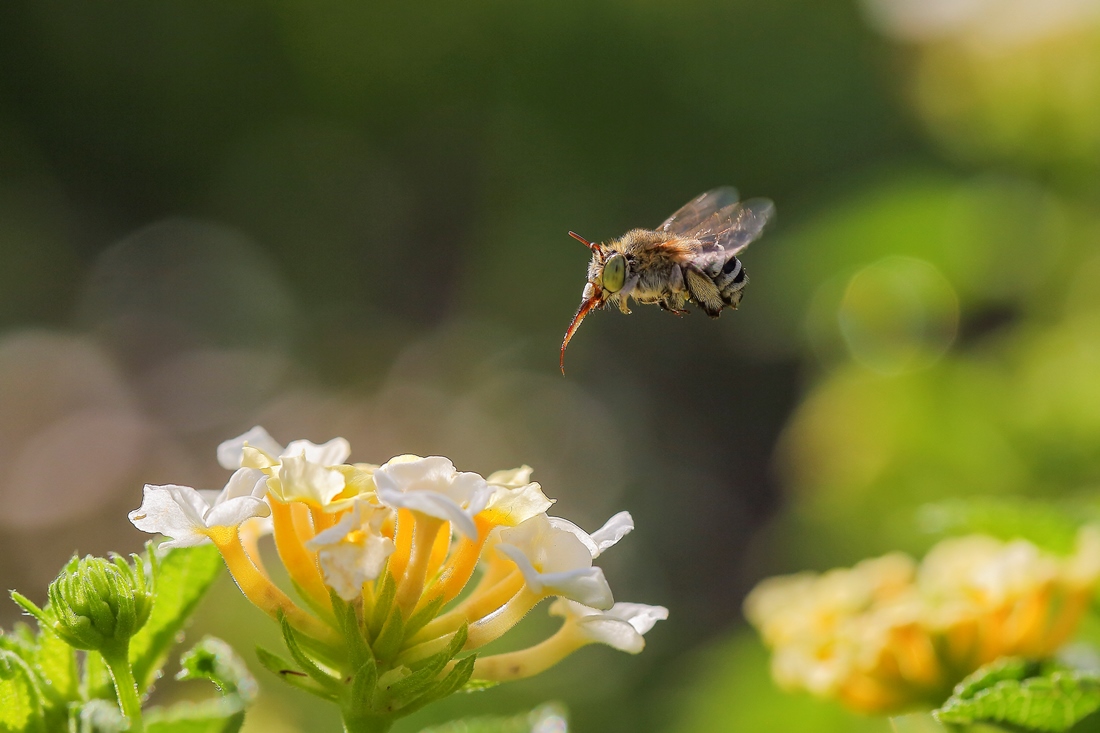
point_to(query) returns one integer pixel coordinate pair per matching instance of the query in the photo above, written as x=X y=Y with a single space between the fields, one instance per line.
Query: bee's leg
x=623 y=307
x=674 y=305
x=704 y=292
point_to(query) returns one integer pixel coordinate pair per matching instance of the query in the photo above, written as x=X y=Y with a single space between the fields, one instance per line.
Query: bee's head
x=597 y=288
x=607 y=271
x=613 y=273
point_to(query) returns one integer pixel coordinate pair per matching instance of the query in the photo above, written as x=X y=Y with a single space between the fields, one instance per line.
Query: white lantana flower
x=186 y=515
x=433 y=487
x=621 y=627
x=555 y=561
x=303 y=471
x=354 y=551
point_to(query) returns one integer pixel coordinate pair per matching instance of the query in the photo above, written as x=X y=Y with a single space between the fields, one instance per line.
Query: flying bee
x=691 y=257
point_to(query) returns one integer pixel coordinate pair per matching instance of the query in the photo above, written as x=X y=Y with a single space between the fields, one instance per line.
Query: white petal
x=512 y=506
x=620 y=627
x=336 y=533
x=300 y=478
x=561 y=551
x=434 y=505
x=332 y=453
x=512 y=479
x=409 y=473
x=565 y=525
x=613 y=632
x=347 y=565
x=174 y=511
x=432 y=486
x=531 y=576
x=639 y=615
x=471 y=491
x=583 y=585
x=245 y=482
x=234 y=512
x=210 y=496
x=231 y=452
x=612 y=531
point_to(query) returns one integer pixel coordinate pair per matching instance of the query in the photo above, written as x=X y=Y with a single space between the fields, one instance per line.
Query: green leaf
x=212 y=659
x=18 y=708
x=388 y=641
x=55 y=661
x=382 y=605
x=287 y=672
x=1019 y=693
x=455 y=680
x=183 y=576
x=219 y=715
x=424 y=673
x=321 y=677
x=1005 y=668
x=348 y=620
x=363 y=686
x=424 y=616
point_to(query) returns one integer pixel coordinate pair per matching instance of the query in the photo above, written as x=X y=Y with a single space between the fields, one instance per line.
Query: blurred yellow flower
x=888 y=634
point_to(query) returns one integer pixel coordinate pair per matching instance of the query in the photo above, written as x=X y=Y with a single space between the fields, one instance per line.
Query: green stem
x=366 y=723
x=118 y=662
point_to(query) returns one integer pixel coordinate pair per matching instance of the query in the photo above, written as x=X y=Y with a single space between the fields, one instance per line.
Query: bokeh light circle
x=898 y=314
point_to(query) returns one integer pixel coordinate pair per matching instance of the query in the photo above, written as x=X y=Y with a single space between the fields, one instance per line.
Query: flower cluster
x=383 y=557
x=888 y=633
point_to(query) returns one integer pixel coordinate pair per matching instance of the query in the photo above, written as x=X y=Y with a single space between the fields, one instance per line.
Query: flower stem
x=366 y=723
x=118 y=662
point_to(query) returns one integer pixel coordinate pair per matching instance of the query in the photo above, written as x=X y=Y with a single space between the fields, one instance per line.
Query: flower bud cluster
x=397 y=546
x=889 y=633
x=97 y=604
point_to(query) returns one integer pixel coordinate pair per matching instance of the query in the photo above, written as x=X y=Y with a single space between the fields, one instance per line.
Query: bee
x=691 y=257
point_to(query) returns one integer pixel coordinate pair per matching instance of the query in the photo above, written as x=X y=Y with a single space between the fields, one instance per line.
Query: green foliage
x=47 y=685
x=1023 y=694
x=379 y=690
x=18 y=708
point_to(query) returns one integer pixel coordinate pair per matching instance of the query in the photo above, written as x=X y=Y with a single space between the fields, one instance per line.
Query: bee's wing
x=698 y=210
x=734 y=227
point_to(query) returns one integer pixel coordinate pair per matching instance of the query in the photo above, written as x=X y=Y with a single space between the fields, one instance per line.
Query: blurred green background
x=349 y=218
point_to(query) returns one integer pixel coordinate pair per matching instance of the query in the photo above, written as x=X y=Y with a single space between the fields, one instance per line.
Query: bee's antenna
x=585 y=242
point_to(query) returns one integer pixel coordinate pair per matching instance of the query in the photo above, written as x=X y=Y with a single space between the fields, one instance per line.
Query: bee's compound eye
x=614 y=273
